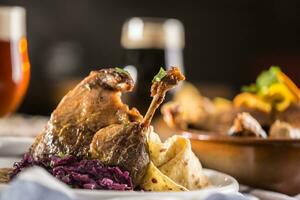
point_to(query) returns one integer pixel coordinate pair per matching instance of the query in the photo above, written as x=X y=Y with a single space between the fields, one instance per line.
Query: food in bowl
x=94 y=141
x=268 y=108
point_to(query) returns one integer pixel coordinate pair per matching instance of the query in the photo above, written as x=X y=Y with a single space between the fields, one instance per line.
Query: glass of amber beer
x=14 y=63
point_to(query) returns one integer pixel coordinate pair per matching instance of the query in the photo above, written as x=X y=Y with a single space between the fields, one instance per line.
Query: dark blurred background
x=227 y=42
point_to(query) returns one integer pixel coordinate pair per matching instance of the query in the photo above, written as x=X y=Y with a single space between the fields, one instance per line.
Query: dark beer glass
x=149 y=44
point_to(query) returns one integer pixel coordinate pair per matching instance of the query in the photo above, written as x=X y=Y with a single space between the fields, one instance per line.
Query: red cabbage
x=80 y=173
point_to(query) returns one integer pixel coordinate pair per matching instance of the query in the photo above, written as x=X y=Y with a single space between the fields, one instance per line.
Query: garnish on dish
x=273 y=91
x=94 y=141
x=268 y=108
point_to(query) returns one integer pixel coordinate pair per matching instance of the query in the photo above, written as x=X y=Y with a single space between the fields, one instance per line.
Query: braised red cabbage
x=80 y=173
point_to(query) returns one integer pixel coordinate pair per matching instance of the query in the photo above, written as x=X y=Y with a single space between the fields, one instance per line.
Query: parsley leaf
x=120 y=70
x=61 y=154
x=267 y=78
x=250 y=88
x=160 y=75
x=263 y=81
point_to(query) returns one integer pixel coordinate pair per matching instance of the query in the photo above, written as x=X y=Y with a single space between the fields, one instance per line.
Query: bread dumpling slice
x=155 y=180
x=176 y=160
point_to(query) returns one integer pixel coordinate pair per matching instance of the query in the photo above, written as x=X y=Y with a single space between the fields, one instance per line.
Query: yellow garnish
x=280 y=96
x=273 y=90
x=289 y=83
x=251 y=101
x=222 y=103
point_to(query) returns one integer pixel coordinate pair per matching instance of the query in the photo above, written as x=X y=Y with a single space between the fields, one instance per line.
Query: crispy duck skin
x=93 y=104
x=123 y=145
x=126 y=145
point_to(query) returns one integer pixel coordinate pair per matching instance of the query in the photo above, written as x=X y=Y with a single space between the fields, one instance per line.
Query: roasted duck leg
x=126 y=145
x=92 y=121
x=93 y=104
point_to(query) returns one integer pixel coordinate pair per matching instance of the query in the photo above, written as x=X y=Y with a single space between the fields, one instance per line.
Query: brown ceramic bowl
x=272 y=164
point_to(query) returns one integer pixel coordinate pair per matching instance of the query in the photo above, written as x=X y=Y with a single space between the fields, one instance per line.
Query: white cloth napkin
x=36 y=184
x=258 y=194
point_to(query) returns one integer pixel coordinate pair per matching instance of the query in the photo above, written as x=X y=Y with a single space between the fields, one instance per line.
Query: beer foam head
x=12 y=23
x=140 y=33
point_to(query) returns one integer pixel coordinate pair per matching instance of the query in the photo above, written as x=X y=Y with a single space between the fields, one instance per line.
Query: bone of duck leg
x=126 y=145
x=93 y=104
x=159 y=89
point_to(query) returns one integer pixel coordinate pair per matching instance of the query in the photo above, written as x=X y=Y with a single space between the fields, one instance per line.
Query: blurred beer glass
x=150 y=43
x=14 y=63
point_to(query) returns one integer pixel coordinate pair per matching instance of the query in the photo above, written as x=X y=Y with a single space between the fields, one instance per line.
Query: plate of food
x=219 y=183
x=255 y=137
x=95 y=143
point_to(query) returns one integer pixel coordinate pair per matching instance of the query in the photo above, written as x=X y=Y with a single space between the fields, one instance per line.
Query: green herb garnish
x=252 y=88
x=267 y=78
x=61 y=154
x=120 y=70
x=263 y=81
x=160 y=75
